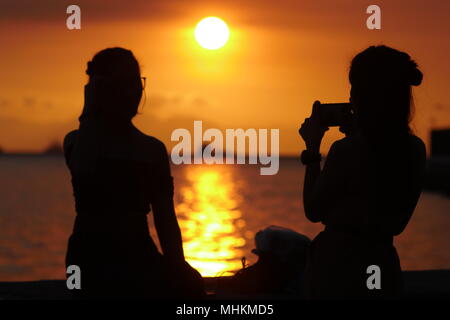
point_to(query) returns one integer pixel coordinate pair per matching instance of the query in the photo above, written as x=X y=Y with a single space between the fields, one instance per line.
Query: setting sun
x=212 y=33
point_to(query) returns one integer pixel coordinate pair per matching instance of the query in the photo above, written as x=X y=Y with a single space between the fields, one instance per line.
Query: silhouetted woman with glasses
x=370 y=183
x=119 y=174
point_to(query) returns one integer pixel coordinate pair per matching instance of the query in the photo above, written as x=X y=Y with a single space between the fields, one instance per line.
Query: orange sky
x=282 y=55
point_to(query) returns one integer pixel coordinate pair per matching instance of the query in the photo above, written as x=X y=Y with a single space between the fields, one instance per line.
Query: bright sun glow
x=212 y=33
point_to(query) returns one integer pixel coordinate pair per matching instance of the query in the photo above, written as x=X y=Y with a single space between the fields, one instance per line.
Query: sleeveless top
x=117 y=195
x=375 y=194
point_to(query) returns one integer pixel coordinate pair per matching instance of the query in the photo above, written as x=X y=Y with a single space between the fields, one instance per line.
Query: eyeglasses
x=143 y=80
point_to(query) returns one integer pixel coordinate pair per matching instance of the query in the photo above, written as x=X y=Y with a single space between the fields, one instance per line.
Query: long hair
x=381 y=79
x=112 y=96
x=381 y=93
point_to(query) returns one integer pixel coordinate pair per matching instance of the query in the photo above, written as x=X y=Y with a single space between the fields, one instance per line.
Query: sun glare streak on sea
x=211 y=222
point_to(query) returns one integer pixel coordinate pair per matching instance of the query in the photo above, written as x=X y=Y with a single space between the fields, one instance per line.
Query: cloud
x=442 y=107
x=257 y=12
x=91 y=10
x=29 y=102
x=167 y=105
x=161 y=114
x=22 y=135
x=4 y=103
x=288 y=13
x=161 y=100
x=9 y=106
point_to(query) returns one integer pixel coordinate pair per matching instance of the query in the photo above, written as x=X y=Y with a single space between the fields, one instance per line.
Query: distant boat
x=54 y=148
x=438 y=165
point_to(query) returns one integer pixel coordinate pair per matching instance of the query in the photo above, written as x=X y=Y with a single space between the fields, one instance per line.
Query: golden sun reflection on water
x=210 y=221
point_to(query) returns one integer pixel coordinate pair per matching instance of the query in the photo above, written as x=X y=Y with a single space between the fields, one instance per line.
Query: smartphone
x=334 y=114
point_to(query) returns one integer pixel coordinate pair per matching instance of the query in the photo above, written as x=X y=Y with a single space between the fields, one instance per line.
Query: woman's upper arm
x=161 y=196
x=328 y=187
x=68 y=143
x=418 y=158
x=422 y=152
x=408 y=199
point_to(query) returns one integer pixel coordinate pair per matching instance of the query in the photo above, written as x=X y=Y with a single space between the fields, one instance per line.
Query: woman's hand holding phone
x=94 y=98
x=312 y=131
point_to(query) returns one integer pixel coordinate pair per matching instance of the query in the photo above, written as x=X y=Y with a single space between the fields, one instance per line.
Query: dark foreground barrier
x=428 y=284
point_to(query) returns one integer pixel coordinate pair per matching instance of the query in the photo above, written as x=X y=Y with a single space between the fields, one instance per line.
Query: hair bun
x=90 y=67
x=415 y=77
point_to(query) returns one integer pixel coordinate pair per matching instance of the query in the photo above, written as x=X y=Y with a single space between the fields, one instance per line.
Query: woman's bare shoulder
x=348 y=147
x=418 y=149
x=68 y=143
x=72 y=134
x=417 y=143
x=69 y=138
x=150 y=144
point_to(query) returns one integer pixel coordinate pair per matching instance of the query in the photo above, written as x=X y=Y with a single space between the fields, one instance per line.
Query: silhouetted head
x=116 y=74
x=381 y=79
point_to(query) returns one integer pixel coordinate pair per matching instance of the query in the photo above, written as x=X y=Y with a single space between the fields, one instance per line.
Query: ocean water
x=220 y=208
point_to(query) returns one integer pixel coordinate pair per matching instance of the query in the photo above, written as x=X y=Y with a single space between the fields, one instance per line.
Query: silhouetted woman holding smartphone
x=370 y=183
x=119 y=174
